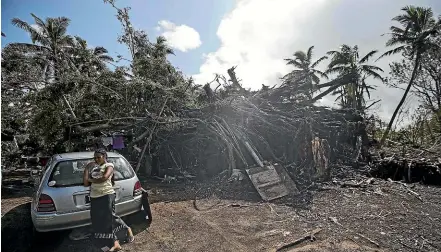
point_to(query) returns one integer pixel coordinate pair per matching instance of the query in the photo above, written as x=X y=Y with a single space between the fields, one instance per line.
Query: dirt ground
x=377 y=216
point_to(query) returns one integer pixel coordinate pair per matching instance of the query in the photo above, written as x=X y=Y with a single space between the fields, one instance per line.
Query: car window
x=79 y=165
x=70 y=172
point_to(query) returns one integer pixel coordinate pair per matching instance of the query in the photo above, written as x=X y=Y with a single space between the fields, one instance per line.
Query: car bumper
x=47 y=222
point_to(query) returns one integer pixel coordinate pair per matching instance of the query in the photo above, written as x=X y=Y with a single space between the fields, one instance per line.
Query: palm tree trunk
x=321 y=95
x=341 y=80
x=400 y=104
x=333 y=85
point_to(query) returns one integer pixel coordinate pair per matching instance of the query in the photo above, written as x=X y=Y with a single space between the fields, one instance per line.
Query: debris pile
x=237 y=132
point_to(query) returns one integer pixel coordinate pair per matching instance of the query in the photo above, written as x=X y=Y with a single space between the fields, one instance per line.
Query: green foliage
x=413 y=39
x=305 y=77
x=424 y=130
x=65 y=82
x=347 y=62
x=426 y=85
x=350 y=86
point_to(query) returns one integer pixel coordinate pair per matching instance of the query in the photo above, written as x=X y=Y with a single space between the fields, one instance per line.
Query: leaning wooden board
x=267 y=182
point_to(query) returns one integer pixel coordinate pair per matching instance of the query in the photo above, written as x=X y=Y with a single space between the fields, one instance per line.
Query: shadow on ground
x=18 y=234
x=17 y=228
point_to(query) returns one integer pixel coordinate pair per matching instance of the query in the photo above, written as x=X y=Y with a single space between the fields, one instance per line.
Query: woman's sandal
x=114 y=249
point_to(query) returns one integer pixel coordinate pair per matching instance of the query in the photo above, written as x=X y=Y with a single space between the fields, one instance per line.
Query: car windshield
x=70 y=172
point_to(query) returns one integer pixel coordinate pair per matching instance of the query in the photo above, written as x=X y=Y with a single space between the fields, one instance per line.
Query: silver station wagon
x=61 y=201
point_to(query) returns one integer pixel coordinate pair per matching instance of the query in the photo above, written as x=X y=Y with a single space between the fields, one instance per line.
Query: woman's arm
x=106 y=175
x=86 y=181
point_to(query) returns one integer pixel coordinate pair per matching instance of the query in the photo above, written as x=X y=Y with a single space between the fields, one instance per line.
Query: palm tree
x=161 y=49
x=347 y=62
x=49 y=40
x=89 y=60
x=413 y=39
x=51 y=44
x=305 y=77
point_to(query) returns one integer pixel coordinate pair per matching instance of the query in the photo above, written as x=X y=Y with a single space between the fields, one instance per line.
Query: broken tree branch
x=149 y=139
x=370 y=240
x=407 y=188
x=309 y=236
x=143 y=135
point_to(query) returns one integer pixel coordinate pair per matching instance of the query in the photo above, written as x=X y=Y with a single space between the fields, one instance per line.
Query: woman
x=105 y=223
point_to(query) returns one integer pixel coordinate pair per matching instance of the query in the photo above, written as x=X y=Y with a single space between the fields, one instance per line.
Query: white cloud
x=180 y=37
x=258 y=34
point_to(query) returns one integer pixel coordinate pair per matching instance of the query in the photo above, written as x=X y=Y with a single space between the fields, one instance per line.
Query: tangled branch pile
x=215 y=138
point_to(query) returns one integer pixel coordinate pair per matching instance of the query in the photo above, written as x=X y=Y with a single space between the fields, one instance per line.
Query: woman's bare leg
x=116 y=246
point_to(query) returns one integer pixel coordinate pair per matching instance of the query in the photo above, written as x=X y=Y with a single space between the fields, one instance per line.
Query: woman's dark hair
x=104 y=153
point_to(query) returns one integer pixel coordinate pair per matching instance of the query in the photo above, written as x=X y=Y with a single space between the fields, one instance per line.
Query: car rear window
x=70 y=172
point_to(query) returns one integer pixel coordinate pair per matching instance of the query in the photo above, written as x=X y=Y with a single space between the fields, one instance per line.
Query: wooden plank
x=257 y=169
x=274 y=192
x=267 y=182
x=287 y=180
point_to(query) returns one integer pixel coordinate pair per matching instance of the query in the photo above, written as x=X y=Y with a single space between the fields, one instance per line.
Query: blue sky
x=96 y=22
